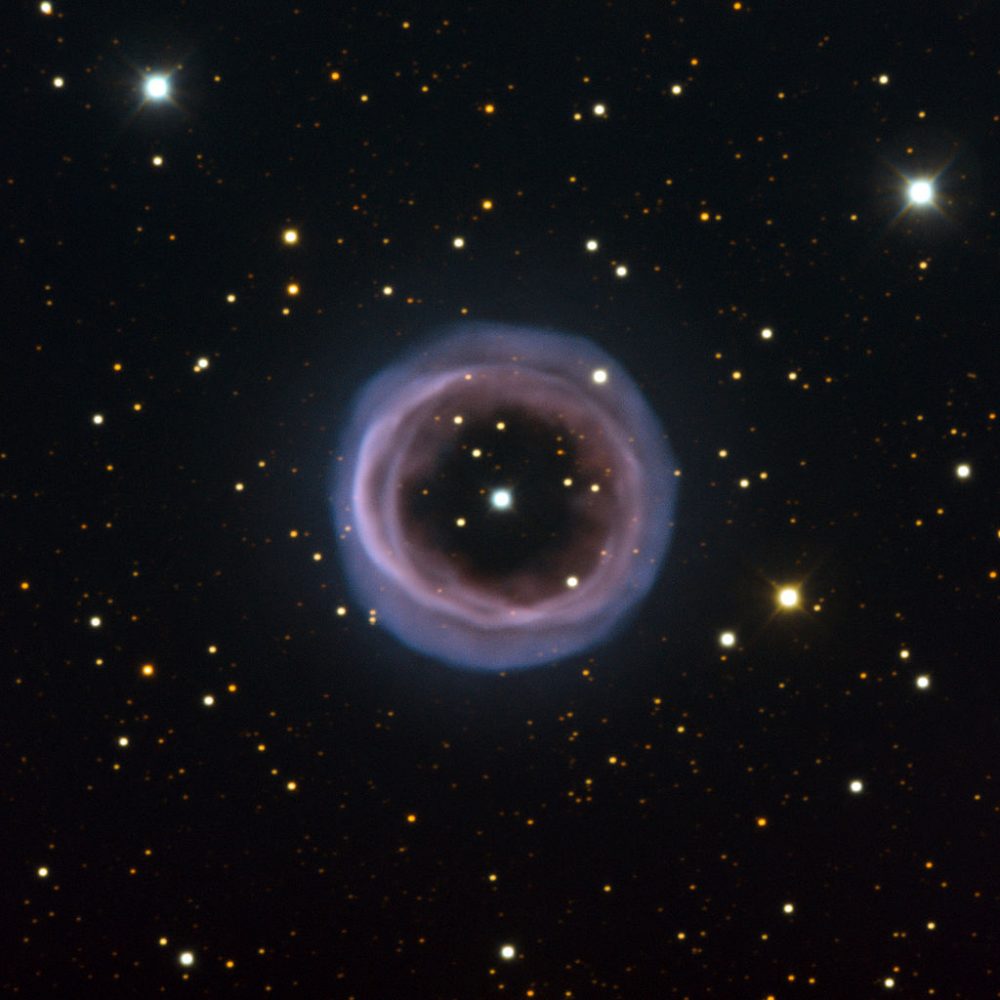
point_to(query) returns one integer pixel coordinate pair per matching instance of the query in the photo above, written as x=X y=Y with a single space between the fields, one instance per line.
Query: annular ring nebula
x=503 y=497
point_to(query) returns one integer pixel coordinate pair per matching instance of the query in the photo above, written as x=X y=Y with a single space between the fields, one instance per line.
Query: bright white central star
x=501 y=499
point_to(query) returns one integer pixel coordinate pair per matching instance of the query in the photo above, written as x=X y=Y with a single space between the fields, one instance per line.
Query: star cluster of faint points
x=502 y=499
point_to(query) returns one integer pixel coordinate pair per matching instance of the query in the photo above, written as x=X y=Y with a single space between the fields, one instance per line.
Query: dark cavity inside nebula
x=503 y=497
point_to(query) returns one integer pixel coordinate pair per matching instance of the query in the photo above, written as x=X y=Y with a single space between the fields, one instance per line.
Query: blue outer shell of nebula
x=502 y=497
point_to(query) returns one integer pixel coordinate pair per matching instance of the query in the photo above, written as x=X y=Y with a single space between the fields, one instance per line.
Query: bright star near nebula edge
x=788 y=597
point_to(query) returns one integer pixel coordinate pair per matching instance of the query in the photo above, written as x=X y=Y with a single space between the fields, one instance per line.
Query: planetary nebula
x=503 y=496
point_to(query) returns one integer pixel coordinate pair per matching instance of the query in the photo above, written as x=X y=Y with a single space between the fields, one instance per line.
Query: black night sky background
x=220 y=778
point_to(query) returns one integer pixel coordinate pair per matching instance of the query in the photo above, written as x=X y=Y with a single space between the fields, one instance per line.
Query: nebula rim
x=476 y=630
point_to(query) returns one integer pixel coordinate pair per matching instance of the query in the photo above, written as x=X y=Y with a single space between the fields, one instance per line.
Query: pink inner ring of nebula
x=423 y=595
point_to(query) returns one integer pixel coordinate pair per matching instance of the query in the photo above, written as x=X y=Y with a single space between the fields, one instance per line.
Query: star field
x=228 y=773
